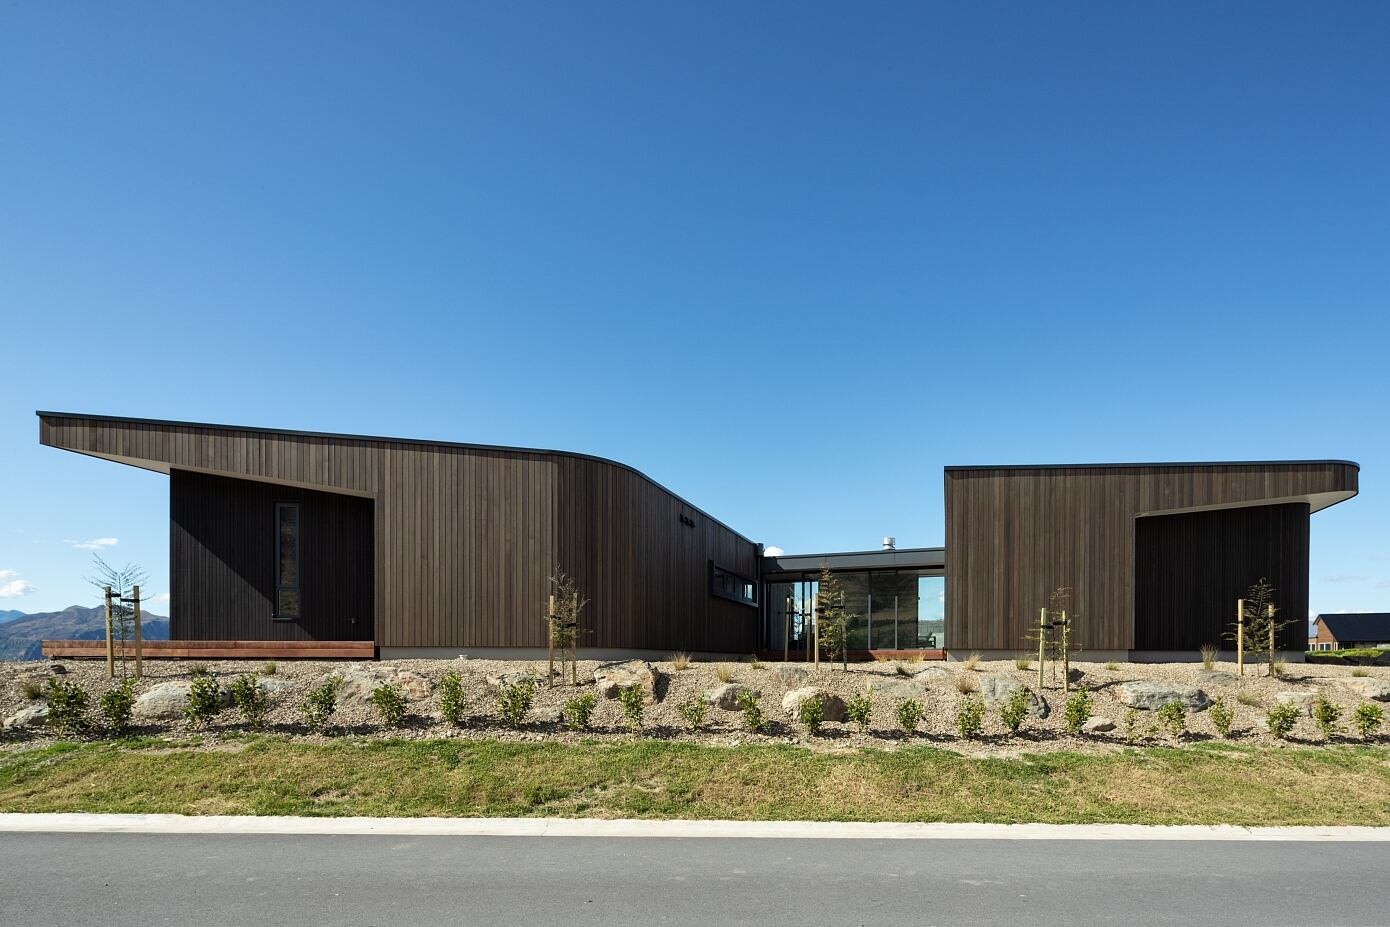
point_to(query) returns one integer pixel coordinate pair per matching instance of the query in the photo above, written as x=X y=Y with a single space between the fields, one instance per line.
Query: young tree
x=122 y=582
x=1262 y=623
x=832 y=617
x=562 y=619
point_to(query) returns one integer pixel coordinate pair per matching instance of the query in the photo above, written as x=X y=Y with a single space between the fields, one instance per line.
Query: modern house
x=1351 y=630
x=429 y=548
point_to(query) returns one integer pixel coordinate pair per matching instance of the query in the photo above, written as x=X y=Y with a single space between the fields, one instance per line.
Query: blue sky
x=789 y=260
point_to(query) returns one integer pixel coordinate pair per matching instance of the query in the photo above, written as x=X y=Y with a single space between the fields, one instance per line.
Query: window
x=286 y=561
x=729 y=585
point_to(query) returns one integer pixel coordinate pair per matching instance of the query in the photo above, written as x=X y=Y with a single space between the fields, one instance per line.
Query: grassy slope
x=651 y=779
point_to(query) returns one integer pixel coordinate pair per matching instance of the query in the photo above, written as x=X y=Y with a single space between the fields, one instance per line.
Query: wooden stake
x=574 y=644
x=1270 y=613
x=550 y=640
x=139 y=642
x=787 y=631
x=1042 y=646
x=1240 y=637
x=1066 y=656
x=110 y=644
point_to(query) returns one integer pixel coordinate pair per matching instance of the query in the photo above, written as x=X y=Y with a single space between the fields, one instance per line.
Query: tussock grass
x=724 y=673
x=680 y=662
x=971 y=662
x=1023 y=663
x=1199 y=784
x=1209 y=654
x=966 y=684
x=1112 y=666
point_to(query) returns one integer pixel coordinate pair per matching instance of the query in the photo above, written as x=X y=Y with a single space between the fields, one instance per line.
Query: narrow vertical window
x=286 y=560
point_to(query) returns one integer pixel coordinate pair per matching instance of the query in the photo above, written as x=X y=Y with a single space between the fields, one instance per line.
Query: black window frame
x=718 y=572
x=298 y=587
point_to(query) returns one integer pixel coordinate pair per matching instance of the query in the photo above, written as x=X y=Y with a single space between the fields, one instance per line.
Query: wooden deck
x=219 y=650
x=855 y=656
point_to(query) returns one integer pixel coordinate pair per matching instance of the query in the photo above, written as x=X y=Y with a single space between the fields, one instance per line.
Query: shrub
x=680 y=662
x=972 y=662
x=909 y=712
x=1281 y=719
x=269 y=668
x=117 y=704
x=320 y=703
x=633 y=700
x=67 y=707
x=514 y=701
x=758 y=664
x=451 y=701
x=901 y=670
x=1221 y=716
x=859 y=709
x=1023 y=663
x=752 y=711
x=204 y=700
x=1077 y=711
x=1278 y=667
x=1112 y=666
x=579 y=710
x=811 y=711
x=1360 y=672
x=1014 y=710
x=1325 y=715
x=389 y=702
x=1131 y=725
x=970 y=716
x=693 y=711
x=251 y=700
x=1248 y=699
x=724 y=673
x=1367 y=719
x=1173 y=717
x=31 y=689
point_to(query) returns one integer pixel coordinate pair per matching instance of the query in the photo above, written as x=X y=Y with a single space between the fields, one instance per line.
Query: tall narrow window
x=286 y=560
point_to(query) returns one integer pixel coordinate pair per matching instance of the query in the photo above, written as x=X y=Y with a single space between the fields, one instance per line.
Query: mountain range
x=21 y=638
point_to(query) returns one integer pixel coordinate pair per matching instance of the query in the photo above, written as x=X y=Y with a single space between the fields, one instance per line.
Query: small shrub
x=1077 y=711
x=514 y=701
x=31 y=689
x=1361 y=672
x=1112 y=666
x=269 y=668
x=693 y=711
x=633 y=699
x=117 y=704
x=1023 y=663
x=966 y=684
x=972 y=662
x=724 y=673
x=1326 y=715
x=901 y=670
x=1173 y=717
x=1278 y=667
x=752 y=711
x=1014 y=710
x=390 y=703
x=909 y=712
x=204 y=700
x=811 y=711
x=251 y=700
x=970 y=716
x=858 y=709
x=758 y=664
x=1131 y=725
x=320 y=703
x=680 y=662
x=1367 y=719
x=1209 y=654
x=1280 y=719
x=579 y=710
x=1221 y=716
x=1248 y=699
x=67 y=707
x=451 y=700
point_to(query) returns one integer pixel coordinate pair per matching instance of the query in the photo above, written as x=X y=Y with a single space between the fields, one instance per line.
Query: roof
x=1358 y=626
x=1141 y=466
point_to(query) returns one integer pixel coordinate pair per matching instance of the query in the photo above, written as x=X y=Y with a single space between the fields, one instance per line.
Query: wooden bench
x=218 y=650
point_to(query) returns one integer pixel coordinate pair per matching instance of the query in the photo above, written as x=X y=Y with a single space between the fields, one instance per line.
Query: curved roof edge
x=1137 y=466
x=342 y=436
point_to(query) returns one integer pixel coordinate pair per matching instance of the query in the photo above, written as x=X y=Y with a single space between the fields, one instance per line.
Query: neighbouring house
x=1350 y=630
x=433 y=548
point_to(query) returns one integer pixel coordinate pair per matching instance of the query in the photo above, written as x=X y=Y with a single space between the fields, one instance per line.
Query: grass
x=1209 y=654
x=1112 y=666
x=724 y=673
x=971 y=662
x=1023 y=663
x=1360 y=672
x=680 y=662
x=1202 y=784
x=966 y=685
x=1247 y=698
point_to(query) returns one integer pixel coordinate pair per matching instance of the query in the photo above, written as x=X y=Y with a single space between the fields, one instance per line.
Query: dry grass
x=269 y=668
x=724 y=673
x=966 y=684
x=971 y=662
x=914 y=658
x=758 y=664
x=1023 y=663
x=1209 y=654
x=680 y=662
x=902 y=670
x=1248 y=699
x=1360 y=672
x=31 y=689
x=1112 y=666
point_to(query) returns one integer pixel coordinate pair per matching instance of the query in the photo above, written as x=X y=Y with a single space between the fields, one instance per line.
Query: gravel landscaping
x=938 y=686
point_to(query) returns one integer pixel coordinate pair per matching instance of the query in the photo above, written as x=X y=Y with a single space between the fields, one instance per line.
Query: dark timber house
x=432 y=548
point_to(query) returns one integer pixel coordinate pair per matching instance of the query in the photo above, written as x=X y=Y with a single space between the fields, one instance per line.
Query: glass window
x=287 y=560
x=729 y=585
x=931 y=612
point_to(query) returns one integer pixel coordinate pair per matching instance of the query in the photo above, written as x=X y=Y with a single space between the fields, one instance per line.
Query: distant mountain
x=9 y=615
x=21 y=638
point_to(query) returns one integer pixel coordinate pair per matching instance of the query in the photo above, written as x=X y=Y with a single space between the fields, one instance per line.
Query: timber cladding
x=1014 y=534
x=451 y=545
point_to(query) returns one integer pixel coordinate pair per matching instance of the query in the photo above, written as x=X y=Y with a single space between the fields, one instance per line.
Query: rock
x=612 y=677
x=1215 y=677
x=168 y=700
x=793 y=676
x=832 y=706
x=1301 y=700
x=997 y=690
x=1098 y=725
x=355 y=687
x=931 y=674
x=271 y=685
x=1150 y=696
x=1368 y=688
x=896 y=687
x=511 y=679
x=412 y=685
x=58 y=669
x=726 y=696
x=31 y=716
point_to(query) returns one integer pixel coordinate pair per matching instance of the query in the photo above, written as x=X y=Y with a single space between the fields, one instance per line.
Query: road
x=115 y=880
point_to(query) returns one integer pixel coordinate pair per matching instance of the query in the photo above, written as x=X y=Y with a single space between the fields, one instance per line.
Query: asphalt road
x=114 y=880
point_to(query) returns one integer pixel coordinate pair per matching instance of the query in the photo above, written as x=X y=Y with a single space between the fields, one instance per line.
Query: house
x=434 y=548
x=1350 y=630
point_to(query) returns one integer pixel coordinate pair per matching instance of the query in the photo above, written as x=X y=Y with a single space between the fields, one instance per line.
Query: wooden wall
x=465 y=536
x=1015 y=534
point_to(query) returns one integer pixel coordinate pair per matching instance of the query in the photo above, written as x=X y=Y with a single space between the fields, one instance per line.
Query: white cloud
x=12 y=587
x=93 y=544
x=773 y=551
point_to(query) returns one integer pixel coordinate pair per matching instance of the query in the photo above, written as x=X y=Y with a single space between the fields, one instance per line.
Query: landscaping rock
x=32 y=716
x=355 y=687
x=270 y=685
x=896 y=687
x=997 y=689
x=612 y=677
x=1215 y=677
x=412 y=685
x=726 y=696
x=1098 y=725
x=168 y=700
x=57 y=669
x=793 y=676
x=1369 y=688
x=1150 y=696
x=511 y=679
x=1303 y=700
x=931 y=674
x=832 y=706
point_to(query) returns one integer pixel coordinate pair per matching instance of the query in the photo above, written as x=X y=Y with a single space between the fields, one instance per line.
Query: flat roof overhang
x=926 y=559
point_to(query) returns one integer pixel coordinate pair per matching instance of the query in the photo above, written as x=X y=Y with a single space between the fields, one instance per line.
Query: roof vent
x=890 y=543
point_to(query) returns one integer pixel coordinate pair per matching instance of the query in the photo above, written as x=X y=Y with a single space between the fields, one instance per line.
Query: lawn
x=1206 y=783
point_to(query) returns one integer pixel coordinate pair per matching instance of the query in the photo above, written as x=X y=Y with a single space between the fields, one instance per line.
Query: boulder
x=1098 y=725
x=931 y=674
x=1215 y=677
x=610 y=678
x=272 y=685
x=1150 y=696
x=997 y=689
x=355 y=687
x=793 y=675
x=1303 y=701
x=832 y=706
x=412 y=685
x=1368 y=688
x=57 y=669
x=167 y=700
x=896 y=687
x=30 y=716
x=511 y=679
x=726 y=696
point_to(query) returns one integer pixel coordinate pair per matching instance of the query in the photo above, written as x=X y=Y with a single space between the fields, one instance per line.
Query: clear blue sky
x=789 y=260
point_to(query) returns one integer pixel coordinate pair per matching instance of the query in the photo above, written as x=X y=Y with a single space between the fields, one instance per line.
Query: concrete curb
x=593 y=827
